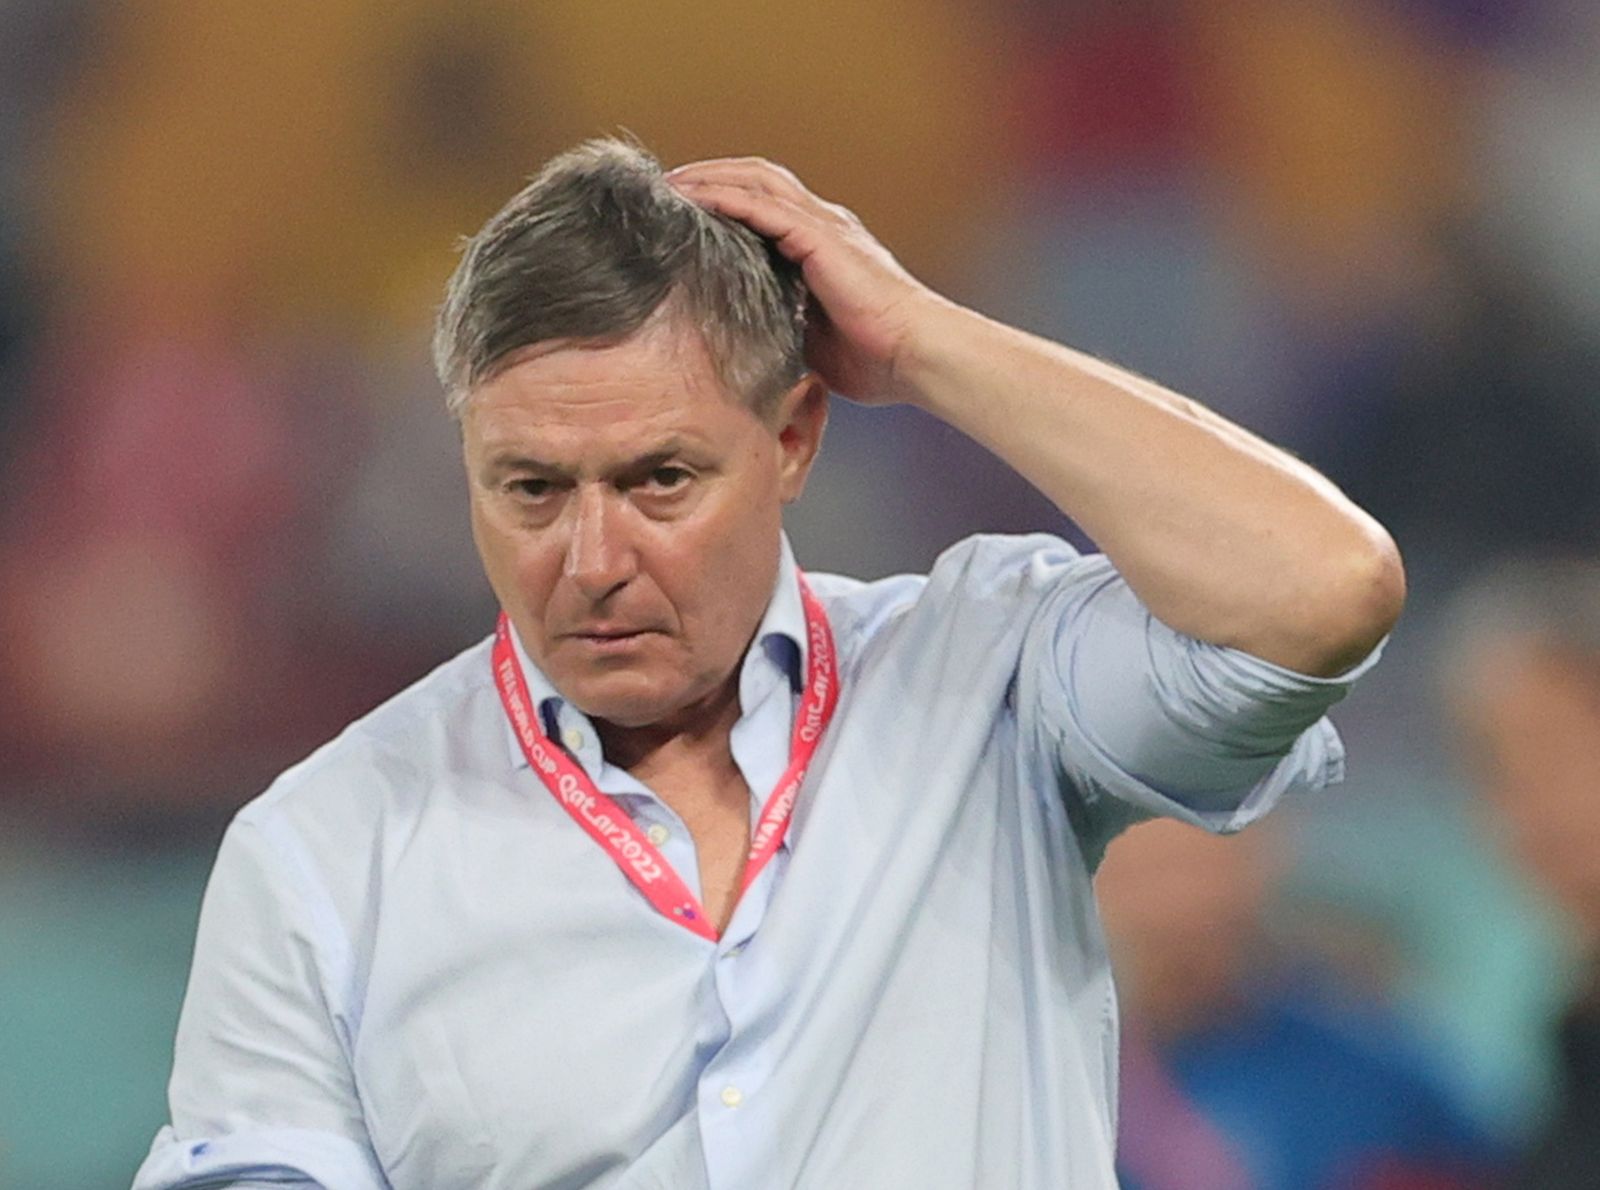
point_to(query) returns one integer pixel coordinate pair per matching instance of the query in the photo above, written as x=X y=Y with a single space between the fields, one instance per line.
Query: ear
x=801 y=417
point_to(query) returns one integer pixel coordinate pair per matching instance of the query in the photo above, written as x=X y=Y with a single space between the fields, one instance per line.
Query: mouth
x=611 y=639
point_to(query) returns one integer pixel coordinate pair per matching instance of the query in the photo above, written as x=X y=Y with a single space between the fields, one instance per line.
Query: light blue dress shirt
x=414 y=971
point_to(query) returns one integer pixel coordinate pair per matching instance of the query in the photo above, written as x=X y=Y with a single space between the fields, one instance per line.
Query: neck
x=699 y=732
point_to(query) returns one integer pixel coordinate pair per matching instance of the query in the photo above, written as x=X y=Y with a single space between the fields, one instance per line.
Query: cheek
x=535 y=569
x=719 y=572
x=521 y=573
x=491 y=545
x=746 y=544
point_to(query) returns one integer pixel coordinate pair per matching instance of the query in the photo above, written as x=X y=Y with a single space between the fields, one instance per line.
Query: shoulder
x=303 y=864
x=1007 y=568
x=389 y=757
x=983 y=565
x=985 y=570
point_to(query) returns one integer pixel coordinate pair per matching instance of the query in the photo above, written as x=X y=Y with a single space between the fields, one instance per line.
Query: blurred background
x=230 y=511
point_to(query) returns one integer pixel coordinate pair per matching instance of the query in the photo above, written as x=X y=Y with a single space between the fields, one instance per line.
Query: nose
x=600 y=559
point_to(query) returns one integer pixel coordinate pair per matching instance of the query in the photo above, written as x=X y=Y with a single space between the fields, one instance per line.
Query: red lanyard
x=609 y=825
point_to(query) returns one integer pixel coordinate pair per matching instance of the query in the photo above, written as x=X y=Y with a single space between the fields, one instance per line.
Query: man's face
x=627 y=510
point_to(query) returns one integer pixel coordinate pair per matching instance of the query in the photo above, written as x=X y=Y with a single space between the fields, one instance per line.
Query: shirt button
x=658 y=834
x=572 y=738
x=732 y=1096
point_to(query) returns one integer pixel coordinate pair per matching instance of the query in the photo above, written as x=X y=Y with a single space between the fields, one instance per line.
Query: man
x=1523 y=680
x=703 y=872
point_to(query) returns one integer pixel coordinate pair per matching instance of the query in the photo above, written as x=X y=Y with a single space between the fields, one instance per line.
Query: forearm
x=1221 y=535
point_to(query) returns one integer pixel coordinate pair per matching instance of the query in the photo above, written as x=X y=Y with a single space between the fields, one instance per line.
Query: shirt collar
x=778 y=651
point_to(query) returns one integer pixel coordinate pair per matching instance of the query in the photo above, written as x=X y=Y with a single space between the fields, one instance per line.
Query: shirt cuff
x=278 y=1157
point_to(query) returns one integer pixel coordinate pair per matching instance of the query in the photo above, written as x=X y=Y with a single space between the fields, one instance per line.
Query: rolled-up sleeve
x=1147 y=721
x=261 y=1090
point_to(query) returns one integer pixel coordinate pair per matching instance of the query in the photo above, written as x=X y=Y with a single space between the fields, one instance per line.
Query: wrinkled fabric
x=414 y=970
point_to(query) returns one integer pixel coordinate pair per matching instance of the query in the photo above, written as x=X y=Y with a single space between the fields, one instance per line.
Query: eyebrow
x=505 y=461
x=511 y=461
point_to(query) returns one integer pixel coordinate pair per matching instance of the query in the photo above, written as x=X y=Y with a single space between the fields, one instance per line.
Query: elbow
x=1359 y=604
x=1390 y=587
x=1378 y=587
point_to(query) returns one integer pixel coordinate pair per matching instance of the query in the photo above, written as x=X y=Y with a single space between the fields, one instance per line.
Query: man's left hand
x=865 y=307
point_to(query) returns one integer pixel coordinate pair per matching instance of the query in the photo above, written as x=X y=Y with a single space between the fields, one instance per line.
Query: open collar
x=778 y=652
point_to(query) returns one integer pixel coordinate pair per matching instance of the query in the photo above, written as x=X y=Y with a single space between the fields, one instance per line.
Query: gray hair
x=590 y=249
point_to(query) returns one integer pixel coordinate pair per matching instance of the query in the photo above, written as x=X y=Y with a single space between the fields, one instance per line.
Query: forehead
x=659 y=381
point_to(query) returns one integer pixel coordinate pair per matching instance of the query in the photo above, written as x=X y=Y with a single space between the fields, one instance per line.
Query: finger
x=756 y=173
x=763 y=180
x=809 y=207
x=725 y=166
x=792 y=227
x=763 y=177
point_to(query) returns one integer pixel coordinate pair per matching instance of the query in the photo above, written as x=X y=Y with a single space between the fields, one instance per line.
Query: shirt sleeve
x=261 y=1089
x=1145 y=721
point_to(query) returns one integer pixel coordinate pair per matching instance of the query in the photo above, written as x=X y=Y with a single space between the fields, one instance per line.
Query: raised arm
x=1221 y=535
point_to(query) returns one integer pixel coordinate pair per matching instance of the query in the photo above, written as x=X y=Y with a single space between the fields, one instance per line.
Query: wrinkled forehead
x=667 y=357
x=585 y=409
x=671 y=338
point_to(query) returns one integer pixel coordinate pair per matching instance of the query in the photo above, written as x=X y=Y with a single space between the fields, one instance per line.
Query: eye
x=530 y=489
x=667 y=479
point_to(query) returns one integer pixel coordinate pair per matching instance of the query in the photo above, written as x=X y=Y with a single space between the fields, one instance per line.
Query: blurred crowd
x=1368 y=229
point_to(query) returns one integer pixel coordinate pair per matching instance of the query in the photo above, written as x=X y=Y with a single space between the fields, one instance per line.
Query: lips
x=608 y=633
x=620 y=644
x=609 y=638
